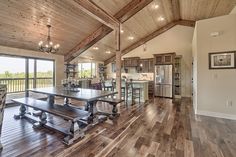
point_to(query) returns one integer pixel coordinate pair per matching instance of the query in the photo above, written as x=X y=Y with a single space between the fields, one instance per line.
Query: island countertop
x=140 y=81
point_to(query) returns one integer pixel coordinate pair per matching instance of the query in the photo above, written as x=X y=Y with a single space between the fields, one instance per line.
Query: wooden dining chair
x=3 y=93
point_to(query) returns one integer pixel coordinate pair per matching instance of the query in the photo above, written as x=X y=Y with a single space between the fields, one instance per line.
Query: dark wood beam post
x=118 y=63
x=175 y=9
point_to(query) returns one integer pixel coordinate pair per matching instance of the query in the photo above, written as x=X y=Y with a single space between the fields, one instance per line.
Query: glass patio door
x=12 y=73
x=21 y=73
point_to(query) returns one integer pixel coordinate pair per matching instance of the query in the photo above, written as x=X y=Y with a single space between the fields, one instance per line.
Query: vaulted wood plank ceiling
x=148 y=20
x=23 y=23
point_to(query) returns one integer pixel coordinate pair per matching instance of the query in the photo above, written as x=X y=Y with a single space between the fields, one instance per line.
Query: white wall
x=215 y=87
x=59 y=59
x=179 y=40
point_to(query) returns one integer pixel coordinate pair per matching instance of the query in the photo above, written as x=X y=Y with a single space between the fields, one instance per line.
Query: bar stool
x=123 y=89
x=106 y=87
x=135 y=92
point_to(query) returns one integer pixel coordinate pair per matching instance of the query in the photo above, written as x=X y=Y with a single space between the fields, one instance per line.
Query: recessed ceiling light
x=130 y=38
x=95 y=48
x=155 y=6
x=160 y=18
x=121 y=31
x=108 y=51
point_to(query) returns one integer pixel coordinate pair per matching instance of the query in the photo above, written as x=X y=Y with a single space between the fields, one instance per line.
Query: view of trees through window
x=86 y=70
x=13 y=73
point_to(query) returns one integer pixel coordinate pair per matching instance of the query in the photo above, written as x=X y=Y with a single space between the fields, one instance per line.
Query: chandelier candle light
x=48 y=47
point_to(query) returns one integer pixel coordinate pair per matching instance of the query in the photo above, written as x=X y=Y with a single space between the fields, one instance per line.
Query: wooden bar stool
x=106 y=87
x=134 y=91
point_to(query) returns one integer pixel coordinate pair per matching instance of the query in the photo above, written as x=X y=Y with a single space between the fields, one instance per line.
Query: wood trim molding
x=123 y=15
x=151 y=36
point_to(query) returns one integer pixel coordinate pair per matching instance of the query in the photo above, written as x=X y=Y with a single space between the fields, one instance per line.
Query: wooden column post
x=118 y=63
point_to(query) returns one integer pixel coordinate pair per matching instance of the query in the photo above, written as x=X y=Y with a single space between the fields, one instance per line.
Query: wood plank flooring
x=157 y=129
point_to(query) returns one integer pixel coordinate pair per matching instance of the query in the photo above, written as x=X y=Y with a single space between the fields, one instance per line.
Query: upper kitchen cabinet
x=165 y=58
x=131 y=62
x=151 y=65
x=146 y=65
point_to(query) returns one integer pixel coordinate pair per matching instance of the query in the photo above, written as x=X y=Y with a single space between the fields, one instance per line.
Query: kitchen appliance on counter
x=163 y=81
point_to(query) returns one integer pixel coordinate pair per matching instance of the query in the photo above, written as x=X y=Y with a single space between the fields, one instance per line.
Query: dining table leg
x=91 y=105
x=67 y=101
x=51 y=99
x=21 y=113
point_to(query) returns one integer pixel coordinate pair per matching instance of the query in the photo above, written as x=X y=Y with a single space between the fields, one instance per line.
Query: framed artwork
x=222 y=60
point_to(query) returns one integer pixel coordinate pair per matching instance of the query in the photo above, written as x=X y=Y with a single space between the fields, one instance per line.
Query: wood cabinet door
x=146 y=65
x=127 y=62
x=159 y=59
x=168 y=59
x=151 y=65
x=134 y=62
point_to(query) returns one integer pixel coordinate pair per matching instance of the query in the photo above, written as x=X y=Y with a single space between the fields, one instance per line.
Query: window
x=20 y=73
x=87 y=70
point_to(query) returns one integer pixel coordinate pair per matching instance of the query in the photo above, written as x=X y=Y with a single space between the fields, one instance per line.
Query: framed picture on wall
x=222 y=60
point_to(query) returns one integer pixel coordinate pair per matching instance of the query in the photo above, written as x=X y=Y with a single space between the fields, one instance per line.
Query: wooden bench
x=72 y=115
x=114 y=102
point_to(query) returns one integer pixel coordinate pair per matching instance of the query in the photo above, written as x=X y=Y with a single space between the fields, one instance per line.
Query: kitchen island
x=142 y=84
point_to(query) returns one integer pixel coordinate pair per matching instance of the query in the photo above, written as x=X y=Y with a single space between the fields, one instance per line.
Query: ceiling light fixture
x=48 y=47
x=130 y=37
x=155 y=6
x=95 y=48
x=108 y=51
x=121 y=31
x=161 y=18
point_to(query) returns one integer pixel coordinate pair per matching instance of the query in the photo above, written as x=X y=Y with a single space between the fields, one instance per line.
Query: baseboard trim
x=216 y=114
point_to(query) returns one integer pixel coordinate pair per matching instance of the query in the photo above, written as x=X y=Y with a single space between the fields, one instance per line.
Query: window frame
x=80 y=69
x=27 y=58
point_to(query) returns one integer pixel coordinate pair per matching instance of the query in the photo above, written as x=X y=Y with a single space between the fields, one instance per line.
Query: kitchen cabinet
x=151 y=65
x=166 y=58
x=151 y=87
x=146 y=65
x=131 y=62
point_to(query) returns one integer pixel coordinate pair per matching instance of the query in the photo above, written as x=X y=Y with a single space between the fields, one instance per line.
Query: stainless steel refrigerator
x=163 y=81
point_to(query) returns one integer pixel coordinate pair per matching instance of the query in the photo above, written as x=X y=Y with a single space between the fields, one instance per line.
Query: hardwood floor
x=160 y=128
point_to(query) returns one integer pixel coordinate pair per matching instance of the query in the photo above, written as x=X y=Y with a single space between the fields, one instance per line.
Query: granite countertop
x=140 y=81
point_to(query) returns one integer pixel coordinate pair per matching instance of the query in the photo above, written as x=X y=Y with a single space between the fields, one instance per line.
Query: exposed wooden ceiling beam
x=131 y=9
x=97 y=13
x=175 y=9
x=123 y=15
x=153 y=35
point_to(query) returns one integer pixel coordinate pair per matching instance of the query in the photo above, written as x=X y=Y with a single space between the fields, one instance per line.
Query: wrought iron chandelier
x=48 y=47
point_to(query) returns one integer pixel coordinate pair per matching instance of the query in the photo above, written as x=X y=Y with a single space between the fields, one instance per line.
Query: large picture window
x=21 y=73
x=86 y=70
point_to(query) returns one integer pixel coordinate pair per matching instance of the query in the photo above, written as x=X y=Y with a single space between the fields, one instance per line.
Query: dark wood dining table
x=90 y=96
x=66 y=111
